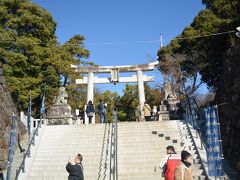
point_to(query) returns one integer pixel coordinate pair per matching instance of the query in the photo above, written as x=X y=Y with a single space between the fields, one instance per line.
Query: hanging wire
x=157 y=41
x=207 y=35
x=128 y=42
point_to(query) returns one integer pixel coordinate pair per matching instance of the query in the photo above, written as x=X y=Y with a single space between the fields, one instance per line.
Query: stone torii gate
x=115 y=71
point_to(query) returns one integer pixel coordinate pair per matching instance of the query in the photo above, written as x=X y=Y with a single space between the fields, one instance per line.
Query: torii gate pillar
x=90 y=93
x=141 y=93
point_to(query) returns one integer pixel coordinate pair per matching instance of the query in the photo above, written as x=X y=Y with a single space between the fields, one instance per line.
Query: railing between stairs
x=198 y=135
x=113 y=174
x=192 y=121
x=27 y=153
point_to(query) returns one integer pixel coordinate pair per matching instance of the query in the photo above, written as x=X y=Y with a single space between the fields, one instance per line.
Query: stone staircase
x=59 y=143
x=141 y=146
x=188 y=144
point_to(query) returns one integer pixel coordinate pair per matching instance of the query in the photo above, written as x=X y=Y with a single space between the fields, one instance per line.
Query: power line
x=206 y=35
x=123 y=43
x=131 y=42
x=159 y=41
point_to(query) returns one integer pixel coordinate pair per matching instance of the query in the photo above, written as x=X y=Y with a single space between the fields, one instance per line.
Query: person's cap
x=185 y=155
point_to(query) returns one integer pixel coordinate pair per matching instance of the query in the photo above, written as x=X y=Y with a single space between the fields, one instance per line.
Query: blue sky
x=114 y=30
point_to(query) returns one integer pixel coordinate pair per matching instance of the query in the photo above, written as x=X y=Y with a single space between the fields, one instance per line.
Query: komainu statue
x=61 y=97
x=60 y=111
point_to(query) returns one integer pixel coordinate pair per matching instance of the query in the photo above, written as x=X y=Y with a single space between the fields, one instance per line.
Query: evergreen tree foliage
x=31 y=55
x=71 y=52
x=219 y=16
x=153 y=95
x=129 y=101
x=110 y=98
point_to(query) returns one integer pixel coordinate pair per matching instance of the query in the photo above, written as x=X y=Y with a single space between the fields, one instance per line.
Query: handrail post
x=23 y=166
x=16 y=177
x=110 y=173
x=37 y=129
x=200 y=134
x=113 y=149
x=33 y=141
x=114 y=152
x=114 y=164
x=40 y=121
x=29 y=152
x=116 y=142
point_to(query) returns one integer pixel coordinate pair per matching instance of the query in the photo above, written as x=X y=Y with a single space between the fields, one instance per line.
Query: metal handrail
x=28 y=152
x=12 y=144
x=113 y=148
x=116 y=146
x=191 y=136
x=197 y=129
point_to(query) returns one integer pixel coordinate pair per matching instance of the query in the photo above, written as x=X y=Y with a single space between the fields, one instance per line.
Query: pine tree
x=31 y=55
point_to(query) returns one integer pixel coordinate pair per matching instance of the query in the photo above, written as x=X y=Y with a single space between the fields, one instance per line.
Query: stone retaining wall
x=229 y=92
x=7 y=108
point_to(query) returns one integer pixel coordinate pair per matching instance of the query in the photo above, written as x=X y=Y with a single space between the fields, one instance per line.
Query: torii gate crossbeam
x=90 y=80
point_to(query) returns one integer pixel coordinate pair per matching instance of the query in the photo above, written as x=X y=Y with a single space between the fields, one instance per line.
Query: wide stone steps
x=149 y=176
x=141 y=146
x=61 y=176
x=140 y=150
x=61 y=142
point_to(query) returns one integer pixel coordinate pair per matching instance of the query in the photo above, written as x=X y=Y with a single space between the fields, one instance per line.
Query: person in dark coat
x=90 y=110
x=1 y=176
x=75 y=171
x=102 y=112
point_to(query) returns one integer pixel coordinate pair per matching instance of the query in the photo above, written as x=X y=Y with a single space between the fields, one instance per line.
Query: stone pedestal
x=163 y=116
x=163 y=113
x=162 y=107
x=60 y=112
